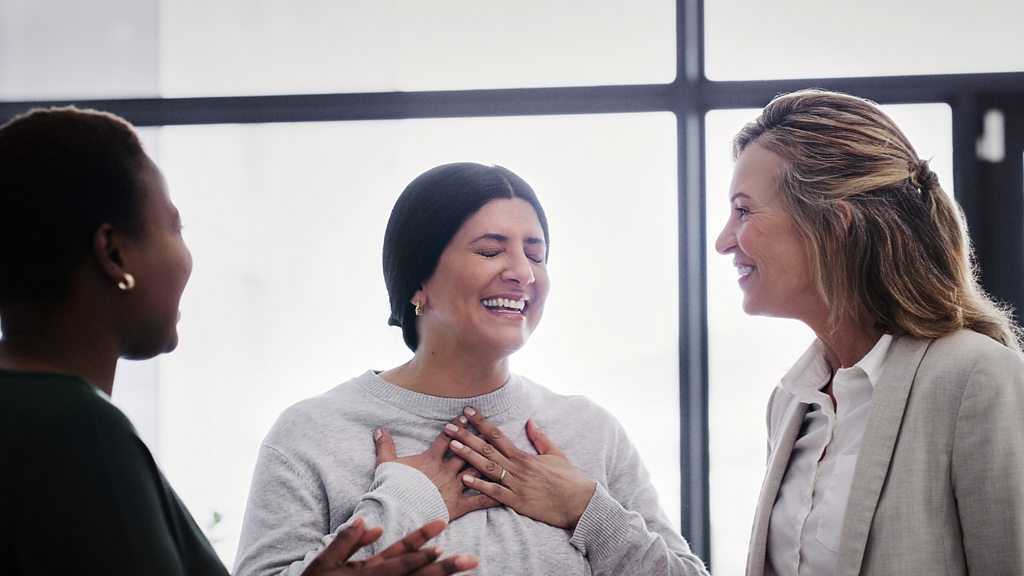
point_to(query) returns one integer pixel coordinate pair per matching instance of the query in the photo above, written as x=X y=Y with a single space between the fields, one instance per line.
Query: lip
x=745 y=269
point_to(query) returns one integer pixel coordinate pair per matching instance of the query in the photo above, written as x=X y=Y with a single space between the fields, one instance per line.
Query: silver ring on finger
x=501 y=478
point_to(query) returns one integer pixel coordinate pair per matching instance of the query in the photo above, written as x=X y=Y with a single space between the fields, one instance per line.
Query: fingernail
x=451 y=427
x=468 y=479
x=461 y=562
x=457 y=445
x=463 y=419
x=469 y=411
x=377 y=434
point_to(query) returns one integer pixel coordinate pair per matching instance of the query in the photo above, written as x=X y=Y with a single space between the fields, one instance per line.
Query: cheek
x=540 y=295
x=747 y=240
x=541 y=286
x=188 y=261
x=179 y=270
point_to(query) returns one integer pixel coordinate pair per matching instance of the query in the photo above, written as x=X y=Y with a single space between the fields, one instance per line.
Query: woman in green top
x=92 y=266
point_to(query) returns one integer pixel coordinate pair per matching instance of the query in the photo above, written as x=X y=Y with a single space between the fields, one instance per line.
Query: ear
x=419 y=296
x=108 y=247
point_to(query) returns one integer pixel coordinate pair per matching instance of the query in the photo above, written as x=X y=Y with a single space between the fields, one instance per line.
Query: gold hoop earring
x=127 y=283
x=419 y=308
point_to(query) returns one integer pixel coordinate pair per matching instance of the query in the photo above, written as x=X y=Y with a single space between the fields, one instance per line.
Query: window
x=753 y=40
x=236 y=47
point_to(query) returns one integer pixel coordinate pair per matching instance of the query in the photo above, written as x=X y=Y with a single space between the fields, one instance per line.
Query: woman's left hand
x=543 y=486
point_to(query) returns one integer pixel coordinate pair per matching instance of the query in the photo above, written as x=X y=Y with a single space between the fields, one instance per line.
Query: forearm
x=400 y=500
x=288 y=517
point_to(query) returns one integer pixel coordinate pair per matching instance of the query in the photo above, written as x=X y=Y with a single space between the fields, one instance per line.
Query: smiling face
x=487 y=294
x=161 y=265
x=768 y=252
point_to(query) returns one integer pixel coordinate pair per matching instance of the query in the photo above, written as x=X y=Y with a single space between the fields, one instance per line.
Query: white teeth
x=744 y=270
x=505 y=303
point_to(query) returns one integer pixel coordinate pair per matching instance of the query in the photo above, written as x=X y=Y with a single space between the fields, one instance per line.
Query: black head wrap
x=427 y=215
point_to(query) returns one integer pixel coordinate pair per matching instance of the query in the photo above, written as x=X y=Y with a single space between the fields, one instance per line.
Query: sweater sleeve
x=624 y=531
x=288 y=516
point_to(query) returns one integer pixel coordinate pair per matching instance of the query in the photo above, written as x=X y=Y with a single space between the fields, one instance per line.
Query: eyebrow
x=502 y=238
x=738 y=195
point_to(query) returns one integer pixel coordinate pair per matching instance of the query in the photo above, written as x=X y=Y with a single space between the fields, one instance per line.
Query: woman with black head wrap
x=544 y=484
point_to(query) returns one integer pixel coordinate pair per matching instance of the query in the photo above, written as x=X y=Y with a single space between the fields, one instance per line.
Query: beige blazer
x=939 y=482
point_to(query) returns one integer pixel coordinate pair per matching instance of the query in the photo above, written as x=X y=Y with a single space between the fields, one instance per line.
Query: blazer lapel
x=888 y=403
x=787 y=429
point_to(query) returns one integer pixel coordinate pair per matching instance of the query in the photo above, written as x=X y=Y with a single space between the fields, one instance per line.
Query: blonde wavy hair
x=885 y=240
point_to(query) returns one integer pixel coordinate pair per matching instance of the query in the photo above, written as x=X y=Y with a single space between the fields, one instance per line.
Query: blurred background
x=287 y=129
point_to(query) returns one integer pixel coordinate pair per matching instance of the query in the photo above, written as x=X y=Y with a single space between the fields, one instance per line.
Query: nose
x=726 y=241
x=518 y=269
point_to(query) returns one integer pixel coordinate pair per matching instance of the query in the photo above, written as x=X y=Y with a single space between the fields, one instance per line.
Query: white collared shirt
x=807 y=519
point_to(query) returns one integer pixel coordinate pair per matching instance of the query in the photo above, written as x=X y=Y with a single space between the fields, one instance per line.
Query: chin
x=751 y=309
x=147 y=350
x=507 y=346
x=171 y=345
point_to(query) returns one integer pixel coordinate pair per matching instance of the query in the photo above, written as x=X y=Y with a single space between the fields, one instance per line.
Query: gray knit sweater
x=315 y=472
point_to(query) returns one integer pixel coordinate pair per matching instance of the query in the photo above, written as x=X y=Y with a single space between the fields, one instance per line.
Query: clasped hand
x=444 y=469
x=544 y=486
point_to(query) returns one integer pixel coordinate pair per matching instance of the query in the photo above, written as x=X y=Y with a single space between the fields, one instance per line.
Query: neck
x=439 y=374
x=57 y=343
x=849 y=342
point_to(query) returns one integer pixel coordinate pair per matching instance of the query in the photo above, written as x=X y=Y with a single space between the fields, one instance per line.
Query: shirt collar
x=811 y=372
x=871 y=363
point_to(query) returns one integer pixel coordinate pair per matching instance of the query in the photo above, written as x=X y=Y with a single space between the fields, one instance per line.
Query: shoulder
x=961 y=370
x=545 y=399
x=66 y=437
x=571 y=416
x=970 y=340
x=327 y=412
x=965 y=351
x=322 y=405
x=57 y=409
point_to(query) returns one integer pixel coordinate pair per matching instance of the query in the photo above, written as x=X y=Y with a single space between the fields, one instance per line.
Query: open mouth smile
x=506 y=305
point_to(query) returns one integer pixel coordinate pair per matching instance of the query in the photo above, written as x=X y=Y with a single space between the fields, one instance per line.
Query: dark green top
x=80 y=492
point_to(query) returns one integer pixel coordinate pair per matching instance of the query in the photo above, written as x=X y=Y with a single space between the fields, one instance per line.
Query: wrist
x=586 y=492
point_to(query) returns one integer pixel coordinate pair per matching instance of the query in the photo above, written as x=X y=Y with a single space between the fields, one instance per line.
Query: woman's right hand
x=445 y=473
x=407 y=557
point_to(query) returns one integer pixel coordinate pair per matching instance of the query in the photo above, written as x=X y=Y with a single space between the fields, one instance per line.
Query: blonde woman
x=896 y=444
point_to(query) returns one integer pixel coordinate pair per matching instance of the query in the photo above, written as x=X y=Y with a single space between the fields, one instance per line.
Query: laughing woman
x=465 y=256
x=895 y=443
